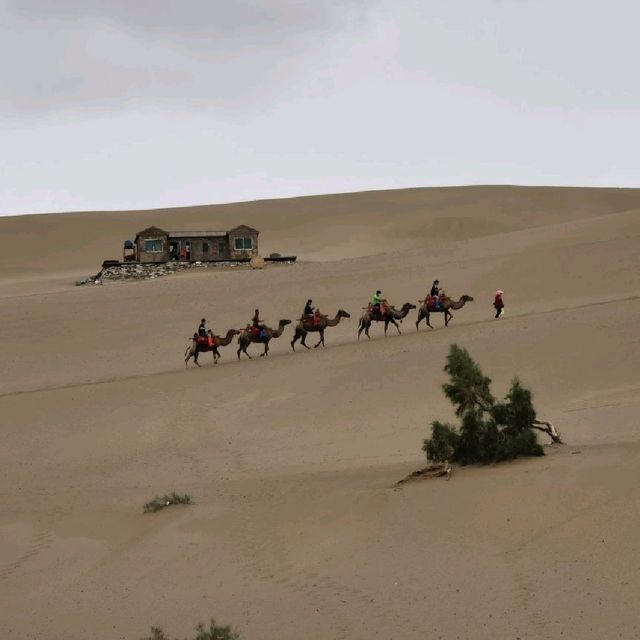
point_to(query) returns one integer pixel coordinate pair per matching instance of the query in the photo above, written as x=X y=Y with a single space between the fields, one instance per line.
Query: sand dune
x=319 y=227
x=297 y=530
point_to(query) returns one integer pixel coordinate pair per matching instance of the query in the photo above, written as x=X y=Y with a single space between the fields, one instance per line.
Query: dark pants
x=498 y=312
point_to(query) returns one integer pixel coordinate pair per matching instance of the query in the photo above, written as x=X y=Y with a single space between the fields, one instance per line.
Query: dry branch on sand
x=437 y=470
x=549 y=429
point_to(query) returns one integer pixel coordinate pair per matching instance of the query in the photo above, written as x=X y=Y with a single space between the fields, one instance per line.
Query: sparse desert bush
x=489 y=430
x=212 y=632
x=161 y=502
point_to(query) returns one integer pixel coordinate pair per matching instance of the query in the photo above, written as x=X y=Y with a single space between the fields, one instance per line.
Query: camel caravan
x=313 y=321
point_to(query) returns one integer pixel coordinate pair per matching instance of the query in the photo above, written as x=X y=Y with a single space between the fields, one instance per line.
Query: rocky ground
x=137 y=271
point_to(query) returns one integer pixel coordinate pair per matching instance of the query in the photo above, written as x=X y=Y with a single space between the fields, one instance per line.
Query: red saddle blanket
x=431 y=304
x=205 y=341
x=312 y=320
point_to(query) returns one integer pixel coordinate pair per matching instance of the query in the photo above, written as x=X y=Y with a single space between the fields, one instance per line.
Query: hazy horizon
x=112 y=106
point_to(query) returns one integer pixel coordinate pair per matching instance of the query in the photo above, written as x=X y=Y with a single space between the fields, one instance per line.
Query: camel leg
x=243 y=349
x=295 y=339
x=321 y=341
x=427 y=319
x=394 y=323
x=266 y=350
x=303 y=341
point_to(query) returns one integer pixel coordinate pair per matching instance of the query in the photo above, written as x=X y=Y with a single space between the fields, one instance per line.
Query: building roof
x=152 y=231
x=197 y=234
x=243 y=227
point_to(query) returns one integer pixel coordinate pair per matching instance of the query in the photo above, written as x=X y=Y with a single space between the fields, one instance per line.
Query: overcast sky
x=114 y=104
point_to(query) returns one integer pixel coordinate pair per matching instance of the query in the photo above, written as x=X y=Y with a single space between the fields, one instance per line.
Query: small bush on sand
x=489 y=430
x=161 y=502
x=212 y=632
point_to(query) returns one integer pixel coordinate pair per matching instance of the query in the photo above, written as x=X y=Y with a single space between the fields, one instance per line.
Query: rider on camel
x=376 y=301
x=202 y=337
x=435 y=294
x=257 y=326
x=379 y=305
x=311 y=313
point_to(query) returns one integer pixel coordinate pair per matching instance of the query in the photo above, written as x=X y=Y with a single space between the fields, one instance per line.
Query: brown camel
x=246 y=338
x=390 y=316
x=446 y=304
x=195 y=349
x=306 y=325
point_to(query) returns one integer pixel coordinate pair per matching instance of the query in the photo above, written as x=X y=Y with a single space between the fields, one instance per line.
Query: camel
x=195 y=349
x=390 y=316
x=446 y=304
x=245 y=338
x=306 y=325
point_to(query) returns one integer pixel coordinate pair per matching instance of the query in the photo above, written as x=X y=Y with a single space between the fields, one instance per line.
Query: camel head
x=284 y=323
x=343 y=314
x=407 y=306
x=466 y=298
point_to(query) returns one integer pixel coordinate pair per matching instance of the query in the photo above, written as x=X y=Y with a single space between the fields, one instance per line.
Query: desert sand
x=297 y=528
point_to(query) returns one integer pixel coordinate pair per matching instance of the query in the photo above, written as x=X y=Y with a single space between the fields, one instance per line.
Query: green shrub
x=489 y=431
x=442 y=444
x=168 y=499
x=212 y=632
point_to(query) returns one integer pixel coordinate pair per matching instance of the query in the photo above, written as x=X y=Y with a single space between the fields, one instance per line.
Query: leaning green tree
x=489 y=430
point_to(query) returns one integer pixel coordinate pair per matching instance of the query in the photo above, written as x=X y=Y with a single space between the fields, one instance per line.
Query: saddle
x=380 y=310
x=256 y=332
x=431 y=303
x=313 y=320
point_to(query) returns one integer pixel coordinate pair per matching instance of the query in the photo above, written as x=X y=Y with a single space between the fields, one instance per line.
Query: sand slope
x=297 y=530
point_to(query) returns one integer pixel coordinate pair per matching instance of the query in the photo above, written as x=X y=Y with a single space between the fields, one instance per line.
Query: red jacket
x=498 y=303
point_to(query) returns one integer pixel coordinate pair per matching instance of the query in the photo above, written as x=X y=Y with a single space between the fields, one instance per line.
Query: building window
x=153 y=246
x=243 y=244
x=205 y=246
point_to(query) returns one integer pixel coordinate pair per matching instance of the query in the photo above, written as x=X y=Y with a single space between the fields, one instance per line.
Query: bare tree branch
x=549 y=429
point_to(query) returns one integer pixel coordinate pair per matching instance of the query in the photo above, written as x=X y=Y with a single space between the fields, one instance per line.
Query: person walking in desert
x=498 y=303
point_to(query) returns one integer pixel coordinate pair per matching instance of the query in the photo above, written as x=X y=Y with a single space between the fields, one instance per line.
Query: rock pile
x=151 y=271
